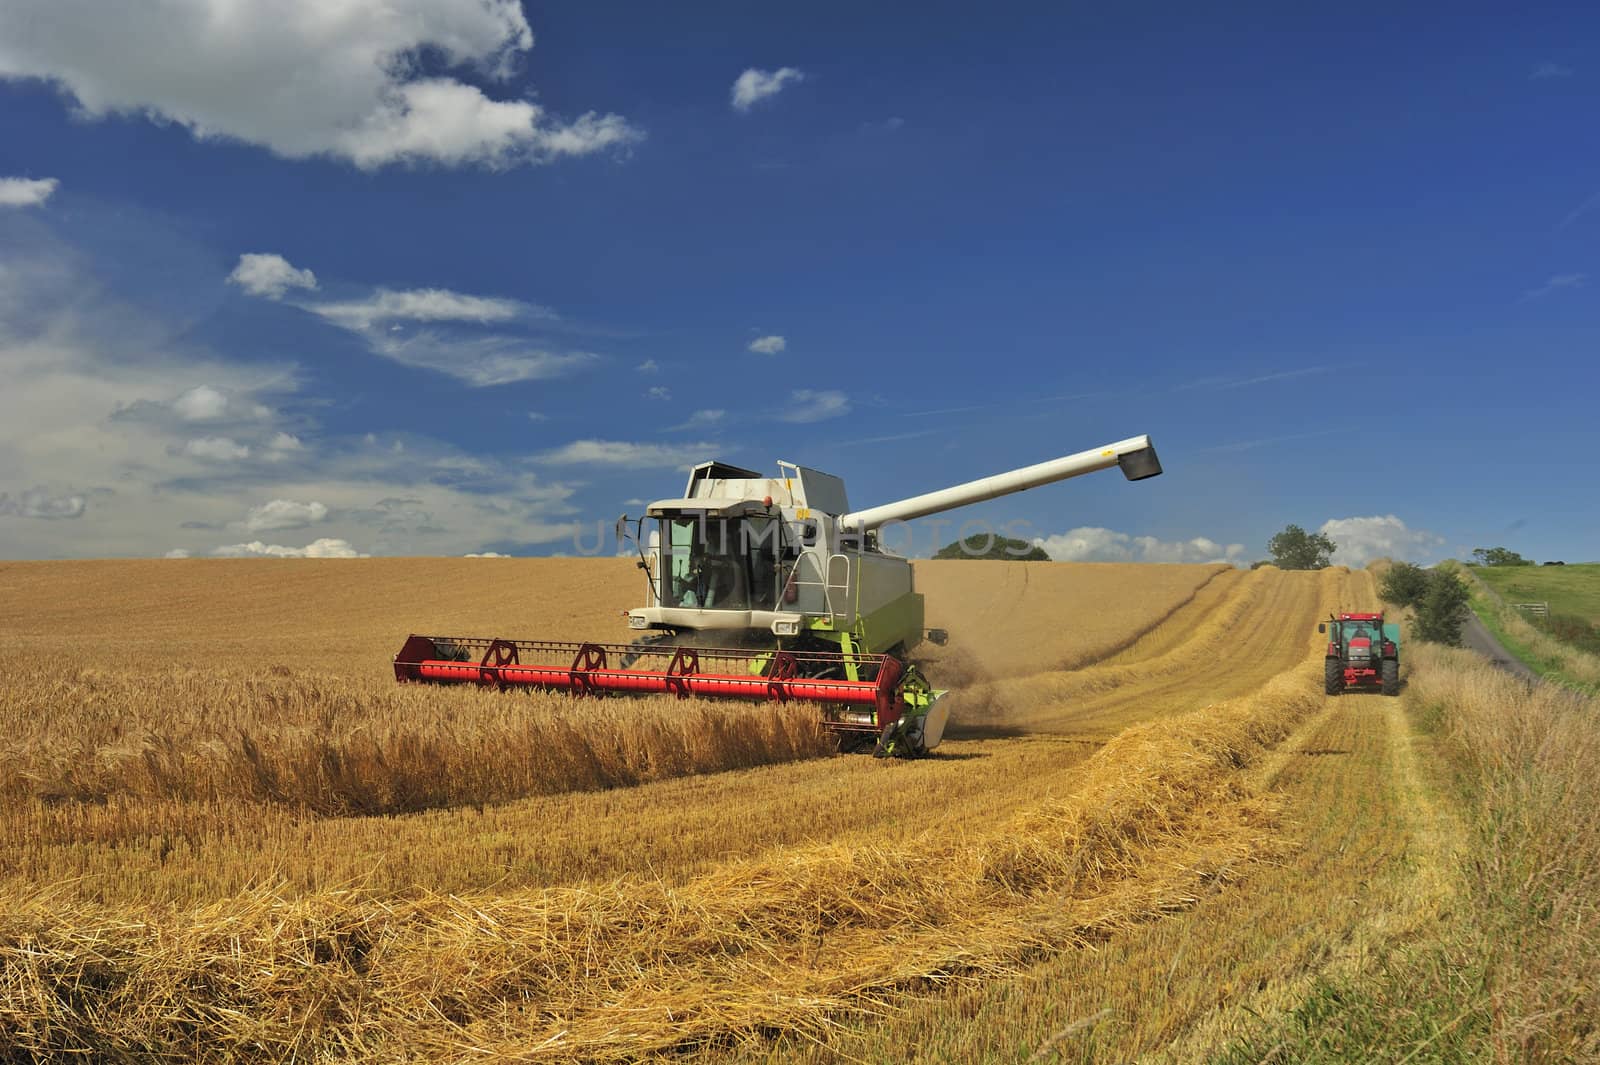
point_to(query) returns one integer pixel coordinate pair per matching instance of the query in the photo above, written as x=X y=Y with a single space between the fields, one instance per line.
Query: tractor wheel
x=1391 y=677
x=1332 y=676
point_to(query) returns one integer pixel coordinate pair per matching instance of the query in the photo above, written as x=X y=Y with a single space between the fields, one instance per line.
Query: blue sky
x=450 y=276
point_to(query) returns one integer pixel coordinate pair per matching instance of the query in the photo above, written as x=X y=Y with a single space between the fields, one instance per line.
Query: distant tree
x=1443 y=609
x=1294 y=548
x=1404 y=584
x=1499 y=556
x=994 y=547
x=1260 y=562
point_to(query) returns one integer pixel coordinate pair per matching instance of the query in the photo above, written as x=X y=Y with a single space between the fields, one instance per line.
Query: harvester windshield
x=719 y=563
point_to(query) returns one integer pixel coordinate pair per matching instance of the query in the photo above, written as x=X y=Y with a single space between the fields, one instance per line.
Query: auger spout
x=1136 y=455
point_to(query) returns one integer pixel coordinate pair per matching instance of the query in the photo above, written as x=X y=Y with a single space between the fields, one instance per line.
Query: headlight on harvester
x=786 y=627
x=637 y=621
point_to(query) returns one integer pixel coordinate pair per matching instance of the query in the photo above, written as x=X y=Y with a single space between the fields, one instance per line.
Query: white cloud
x=1555 y=284
x=269 y=275
x=1547 y=70
x=808 y=405
x=176 y=552
x=26 y=192
x=216 y=449
x=620 y=453
x=93 y=412
x=1094 y=544
x=753 y=86
x=201 y=403
x=38 y=503
x=283 y=514
x=768 y=345
x=480 y=361
x=649 y=366
x=1360 y=540
x=703 y=419
x=304 y=77
x=327 y=547
x=422 y=305
x=659 y=392
x=484 y=554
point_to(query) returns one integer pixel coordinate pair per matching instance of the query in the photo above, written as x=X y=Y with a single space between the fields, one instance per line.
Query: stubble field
x=228 y=835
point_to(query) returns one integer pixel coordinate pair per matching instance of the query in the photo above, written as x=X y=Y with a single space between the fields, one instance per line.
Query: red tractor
x=1363 y=652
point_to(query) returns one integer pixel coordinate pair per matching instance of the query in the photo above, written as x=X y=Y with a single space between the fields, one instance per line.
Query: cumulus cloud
x=649 y=366
x=1360 y=540
x=768 y=345
x=176 y=552
x=216 y=449
x=269 y=275
x=103 y=399
x=1547 y=70
x=200 y=404
x=484 y=554
x=621 y=453
x=38 y=503
x=26 y=192
x=327 y=547
x=753 y=86
x=1094 y=544
x=283 y=514
x=659 y=392
x=809 y=405
x=301 y=78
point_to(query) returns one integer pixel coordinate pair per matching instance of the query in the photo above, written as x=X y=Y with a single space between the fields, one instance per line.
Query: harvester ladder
x=833 y=591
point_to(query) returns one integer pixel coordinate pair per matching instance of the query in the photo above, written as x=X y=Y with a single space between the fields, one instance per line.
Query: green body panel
x=899 y=624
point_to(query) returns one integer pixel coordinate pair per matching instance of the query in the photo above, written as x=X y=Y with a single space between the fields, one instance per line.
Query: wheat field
x=228 y=835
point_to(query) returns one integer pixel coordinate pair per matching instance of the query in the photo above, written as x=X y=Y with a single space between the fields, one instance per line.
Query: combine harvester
x=767 y=588
x=1363 y=652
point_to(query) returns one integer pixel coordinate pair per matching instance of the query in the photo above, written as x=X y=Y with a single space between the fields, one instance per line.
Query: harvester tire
x=1332 y=676
x=1391 y=677
x=895 y=741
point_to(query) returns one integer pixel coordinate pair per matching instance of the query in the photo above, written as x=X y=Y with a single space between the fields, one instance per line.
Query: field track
x=1173 y=665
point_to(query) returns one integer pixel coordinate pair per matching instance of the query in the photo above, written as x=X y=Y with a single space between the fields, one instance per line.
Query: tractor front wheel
x=1332 y=676
x=1391 y=677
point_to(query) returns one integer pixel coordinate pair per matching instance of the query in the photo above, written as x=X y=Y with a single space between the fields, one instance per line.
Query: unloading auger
x=767 y=588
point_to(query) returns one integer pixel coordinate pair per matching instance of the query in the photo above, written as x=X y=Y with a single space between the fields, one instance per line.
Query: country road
x=1476 y=636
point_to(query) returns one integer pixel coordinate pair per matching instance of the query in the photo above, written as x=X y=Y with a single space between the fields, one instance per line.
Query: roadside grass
x=1546 y=655
x=1573 y=589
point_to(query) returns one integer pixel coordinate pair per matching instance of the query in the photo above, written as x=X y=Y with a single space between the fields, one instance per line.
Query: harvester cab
x=763 y=587
x=1363 y=652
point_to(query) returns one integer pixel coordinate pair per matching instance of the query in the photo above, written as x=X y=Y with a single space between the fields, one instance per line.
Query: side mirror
x=938 y=637
x=1322 y=627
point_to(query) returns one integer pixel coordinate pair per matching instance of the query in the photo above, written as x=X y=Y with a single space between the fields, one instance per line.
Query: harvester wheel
x=1332 y=676
x=1391 y=677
